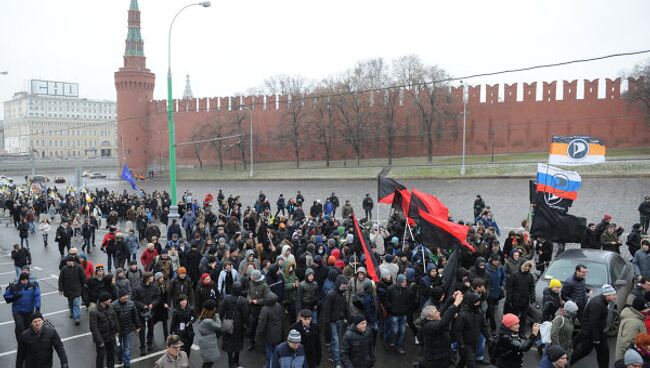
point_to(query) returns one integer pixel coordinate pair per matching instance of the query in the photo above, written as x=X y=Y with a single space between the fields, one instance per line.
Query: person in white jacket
x=45 y=227
x=227 y=277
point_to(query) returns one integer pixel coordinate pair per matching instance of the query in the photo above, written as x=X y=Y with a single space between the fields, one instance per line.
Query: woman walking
x=209 y=326
x=45 y=227
x=234 y=308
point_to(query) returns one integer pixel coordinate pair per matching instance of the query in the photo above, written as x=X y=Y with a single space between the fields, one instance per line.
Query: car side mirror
x=620 y=283
x=547 y=277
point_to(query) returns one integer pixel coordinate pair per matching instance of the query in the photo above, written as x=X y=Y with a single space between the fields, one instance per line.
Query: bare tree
x=216 y=129
x=388 y=120
x=293 y=119
x=238 y=116
x=639 y=94
x=426 y=84
x=323 y=120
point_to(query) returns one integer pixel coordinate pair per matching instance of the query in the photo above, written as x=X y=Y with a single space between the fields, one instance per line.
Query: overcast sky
x=234 y=45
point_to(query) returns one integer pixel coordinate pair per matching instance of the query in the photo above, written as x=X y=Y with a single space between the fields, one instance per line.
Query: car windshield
x=562 y=269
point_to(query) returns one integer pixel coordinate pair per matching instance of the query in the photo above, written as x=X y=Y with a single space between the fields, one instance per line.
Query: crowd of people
x=297 y=286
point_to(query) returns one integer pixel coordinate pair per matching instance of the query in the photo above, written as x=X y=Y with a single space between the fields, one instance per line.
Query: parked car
x=59 y=180
x=97 y=175
x=85 y=174
x=604 y=267
x=38 y=179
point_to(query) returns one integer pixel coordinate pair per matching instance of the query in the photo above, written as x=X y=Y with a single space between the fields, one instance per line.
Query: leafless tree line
x=342 y=110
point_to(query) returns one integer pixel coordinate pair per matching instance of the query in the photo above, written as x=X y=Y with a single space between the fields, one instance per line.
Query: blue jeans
x=110 y=260
x=269 y=348
x=398 y=327
x=75 y=307
x=125 y=349
x=17 y=272
x=24 y=242
x=480 y=349
x=314 y=315
x=336 y=329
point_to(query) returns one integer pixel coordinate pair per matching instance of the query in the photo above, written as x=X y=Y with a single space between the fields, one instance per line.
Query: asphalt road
x=508 y=198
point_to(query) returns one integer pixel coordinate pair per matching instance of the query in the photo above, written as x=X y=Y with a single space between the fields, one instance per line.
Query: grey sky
x=234 y=45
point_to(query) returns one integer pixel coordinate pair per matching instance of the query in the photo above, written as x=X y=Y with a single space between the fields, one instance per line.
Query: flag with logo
x=559 y=204
x=126 y=175
x=560 y=183
x=576 y=150
x=557 y=227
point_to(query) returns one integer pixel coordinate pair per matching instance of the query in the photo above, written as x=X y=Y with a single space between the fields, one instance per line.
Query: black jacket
x=72 y=281
x=334 y=303
x=310 y=339
x=269 y=327
x=357 y=350
x=127 y=316
x=575 y=290
x=35 y=351
x=400 y=299
x=21 y=257
x=510 y=348
x=103 y=323
x=550 y=304
x=185 y=316
x=145 y=295
x=594 y=318
x=435 y=339
x=470 y=323
x=520 y=289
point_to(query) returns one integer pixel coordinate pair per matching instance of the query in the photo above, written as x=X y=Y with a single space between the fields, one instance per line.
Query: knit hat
x=339 y=264
x=331 y=260
x=632 y=357
x=555 y=283
x=384 y=273
x=639 y=303
x=401 y=278
x=204 y=277
x=23 y=276
x=495 y=257
x=318 y=259
x=121 y=293
x=642 y=339
x=99 y=267
x=257 y=276
x=608 y=290
x=358 y=319
x=182 y=270
x=607 y=217
x=394 y=240
x=37 y=315
x=294 y=336
x=509 y=320
x=158 y=275
x=570 y=306
x=389 y=258
x=104 y=297
x=554 y=353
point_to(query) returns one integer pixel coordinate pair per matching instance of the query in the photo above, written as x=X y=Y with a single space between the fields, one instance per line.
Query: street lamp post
x=173 y=208
x=250 y=110
x=462 y=166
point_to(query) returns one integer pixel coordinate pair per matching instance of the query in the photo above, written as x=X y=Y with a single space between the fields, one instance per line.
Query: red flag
x=386 y=189
x=441 y=232
x=371 y=262
x=427 y=203
x=402 y=202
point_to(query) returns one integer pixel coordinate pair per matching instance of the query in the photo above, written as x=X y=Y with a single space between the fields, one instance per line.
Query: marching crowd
x=296 y=285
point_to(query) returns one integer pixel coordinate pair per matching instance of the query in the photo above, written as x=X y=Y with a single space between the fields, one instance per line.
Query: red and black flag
x=359 y=242
x=441 y=232
x=386 y=189
x=402 y=202
x=427 y=203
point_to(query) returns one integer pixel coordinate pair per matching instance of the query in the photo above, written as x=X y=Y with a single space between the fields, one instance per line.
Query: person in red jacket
x=87 y=266
x=147 y=257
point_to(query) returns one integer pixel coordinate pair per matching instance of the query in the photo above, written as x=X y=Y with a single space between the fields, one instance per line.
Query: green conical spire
x=134 y=42
x=134 y=5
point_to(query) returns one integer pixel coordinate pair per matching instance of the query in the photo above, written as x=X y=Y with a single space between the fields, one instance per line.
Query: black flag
x=559 y=204
x=555 y=226
x=386 y=189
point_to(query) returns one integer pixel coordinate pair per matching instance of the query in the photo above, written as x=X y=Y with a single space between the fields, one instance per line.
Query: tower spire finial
x=134 y=42
x=187 y=95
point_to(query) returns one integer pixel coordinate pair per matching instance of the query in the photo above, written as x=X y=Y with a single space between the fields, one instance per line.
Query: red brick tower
x=134 y=84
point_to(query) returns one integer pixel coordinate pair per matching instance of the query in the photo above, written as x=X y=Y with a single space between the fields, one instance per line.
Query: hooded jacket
x=496 y=281
x=510 y=348
x=334 y=303
x=24 y=298
x=632 y=324
x=550 y=304
x=470 y=323
x=307 y=297
x=562 y=332
x=103 y=323
x=521 y=287
x=269 y=326
x=357 y=350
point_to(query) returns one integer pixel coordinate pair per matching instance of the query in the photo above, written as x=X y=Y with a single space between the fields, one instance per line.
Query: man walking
x=37 y=344
x=71 y=283
x=128 y=320
x=103 y=326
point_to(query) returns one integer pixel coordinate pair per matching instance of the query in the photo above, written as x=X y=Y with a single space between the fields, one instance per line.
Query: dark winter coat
x=357 y=350
x=520 y=288
x=235 y=307
x=269 y=326
x=470 y=323
x=127 y=316
x=35 y=351
x=550 y=304
x=21 y=257
x=72 y=281
x=496 y=280
x=334 y=303
x=400 y=300
x=594 y=318
x=435 y=339
x=103 y=323
x=187 y=317
x=285 y=357
x=307 y=297
x=145 y=295
x=178 y=286
x=510 y=348
x=310 y=339
x=575 y=290
x=204 y=293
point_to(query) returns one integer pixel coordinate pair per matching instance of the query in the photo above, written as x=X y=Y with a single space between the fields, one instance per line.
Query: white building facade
x=53 y=123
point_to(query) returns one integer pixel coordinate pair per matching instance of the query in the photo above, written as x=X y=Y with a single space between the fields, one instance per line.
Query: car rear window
x=562 y=269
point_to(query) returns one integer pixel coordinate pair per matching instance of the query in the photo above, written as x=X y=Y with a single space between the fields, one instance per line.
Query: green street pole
x=173 y=208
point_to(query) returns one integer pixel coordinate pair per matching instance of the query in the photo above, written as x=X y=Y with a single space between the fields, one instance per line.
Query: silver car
x=603 y=267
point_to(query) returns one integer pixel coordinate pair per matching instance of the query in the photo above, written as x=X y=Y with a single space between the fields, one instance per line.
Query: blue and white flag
x=558 y=182
x=126 y=175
